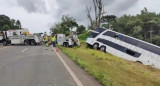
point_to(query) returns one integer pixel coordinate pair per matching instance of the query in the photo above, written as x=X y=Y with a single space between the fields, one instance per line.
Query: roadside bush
x=84 y=36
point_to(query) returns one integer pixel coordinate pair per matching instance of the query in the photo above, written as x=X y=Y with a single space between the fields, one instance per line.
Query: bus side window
x=116 y=36
x=130 y=52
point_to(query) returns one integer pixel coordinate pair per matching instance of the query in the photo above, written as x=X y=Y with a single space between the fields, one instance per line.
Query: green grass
x=110 y=70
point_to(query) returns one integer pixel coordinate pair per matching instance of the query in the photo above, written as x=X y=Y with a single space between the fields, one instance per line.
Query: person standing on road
x=46 y=41
x=53 y=39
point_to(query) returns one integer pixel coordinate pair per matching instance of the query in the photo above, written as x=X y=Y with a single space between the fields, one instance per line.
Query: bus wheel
x=95 y=46
x=139 y=62
x=103 y=48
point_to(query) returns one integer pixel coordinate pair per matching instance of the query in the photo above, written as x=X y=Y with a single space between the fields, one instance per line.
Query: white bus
x=125 y=46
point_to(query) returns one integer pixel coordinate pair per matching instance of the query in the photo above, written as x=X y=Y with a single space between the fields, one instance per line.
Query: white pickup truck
x=69 y=41
x=18 y=37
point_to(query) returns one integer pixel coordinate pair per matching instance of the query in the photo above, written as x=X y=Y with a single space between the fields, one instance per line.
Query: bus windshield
x=96 y=32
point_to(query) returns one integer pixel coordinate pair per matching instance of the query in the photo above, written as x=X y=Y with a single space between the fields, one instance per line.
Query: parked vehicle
x=125 y=46
x=67 y=41
x=1 y=37
x=19 y=37
x=60 y=39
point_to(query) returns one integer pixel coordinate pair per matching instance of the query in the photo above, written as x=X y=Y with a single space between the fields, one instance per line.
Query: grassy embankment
x=111 y=70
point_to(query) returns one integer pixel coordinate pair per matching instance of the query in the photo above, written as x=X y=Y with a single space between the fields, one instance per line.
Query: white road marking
x=78 y=82
x=24 y=50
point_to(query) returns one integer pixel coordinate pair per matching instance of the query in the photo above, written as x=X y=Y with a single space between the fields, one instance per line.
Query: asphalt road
x=36 y=66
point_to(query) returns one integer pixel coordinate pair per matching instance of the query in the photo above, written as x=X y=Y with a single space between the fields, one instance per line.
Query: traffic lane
x=10 y=53
x=36 y=67
x=1 y=45
x=49 y=70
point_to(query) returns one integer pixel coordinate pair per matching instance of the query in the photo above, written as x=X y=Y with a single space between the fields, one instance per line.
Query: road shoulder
x=83 y=76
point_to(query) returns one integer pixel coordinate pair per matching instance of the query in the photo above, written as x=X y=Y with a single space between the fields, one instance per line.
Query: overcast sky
x=40 y=15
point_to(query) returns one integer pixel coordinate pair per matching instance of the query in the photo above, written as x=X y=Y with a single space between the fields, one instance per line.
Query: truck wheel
x=4 y=43
x=63 y=44
x=66 y=45
x=26 y=42
x=103 y=48
x=33 y=42
x=95 y=46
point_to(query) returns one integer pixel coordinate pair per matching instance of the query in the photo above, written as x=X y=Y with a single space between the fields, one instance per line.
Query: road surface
x=36 y=66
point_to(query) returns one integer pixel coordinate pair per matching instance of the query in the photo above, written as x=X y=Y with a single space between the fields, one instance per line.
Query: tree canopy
x=144 y=26
x=66 y=25
x=81 y=29
x=6 y=23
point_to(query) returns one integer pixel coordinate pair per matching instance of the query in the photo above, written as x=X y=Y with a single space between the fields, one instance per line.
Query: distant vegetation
x=6 y=23
x=66 y=25
x=144 y=26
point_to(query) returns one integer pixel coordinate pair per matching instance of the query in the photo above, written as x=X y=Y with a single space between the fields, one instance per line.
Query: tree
x=18 y=24
x=156 y=40
x=65 y=26
x=144 y=26
x=56 y=28
x=92 y=25
x=13 y=23
x=98 y=10
x=68 y=23
x=81 y=29
x=137 y=30
x=6 y=27
x=4 y=20
x=108 y=19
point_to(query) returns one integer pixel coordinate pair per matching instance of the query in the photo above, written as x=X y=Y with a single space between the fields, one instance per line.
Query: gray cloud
x=77 y=8
x=33 y=5
x=46 y=12
x=125 y=4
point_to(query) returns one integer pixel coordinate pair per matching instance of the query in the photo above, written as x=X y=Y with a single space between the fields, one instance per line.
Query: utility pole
x=151 y=31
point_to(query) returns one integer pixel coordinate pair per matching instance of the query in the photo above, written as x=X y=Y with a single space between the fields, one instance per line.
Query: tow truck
x=21 y=36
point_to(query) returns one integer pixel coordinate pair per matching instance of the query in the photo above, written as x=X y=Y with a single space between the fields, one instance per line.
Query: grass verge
x=110 y=70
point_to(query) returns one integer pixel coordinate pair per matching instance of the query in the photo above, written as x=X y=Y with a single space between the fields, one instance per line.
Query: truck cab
x=3 y=38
